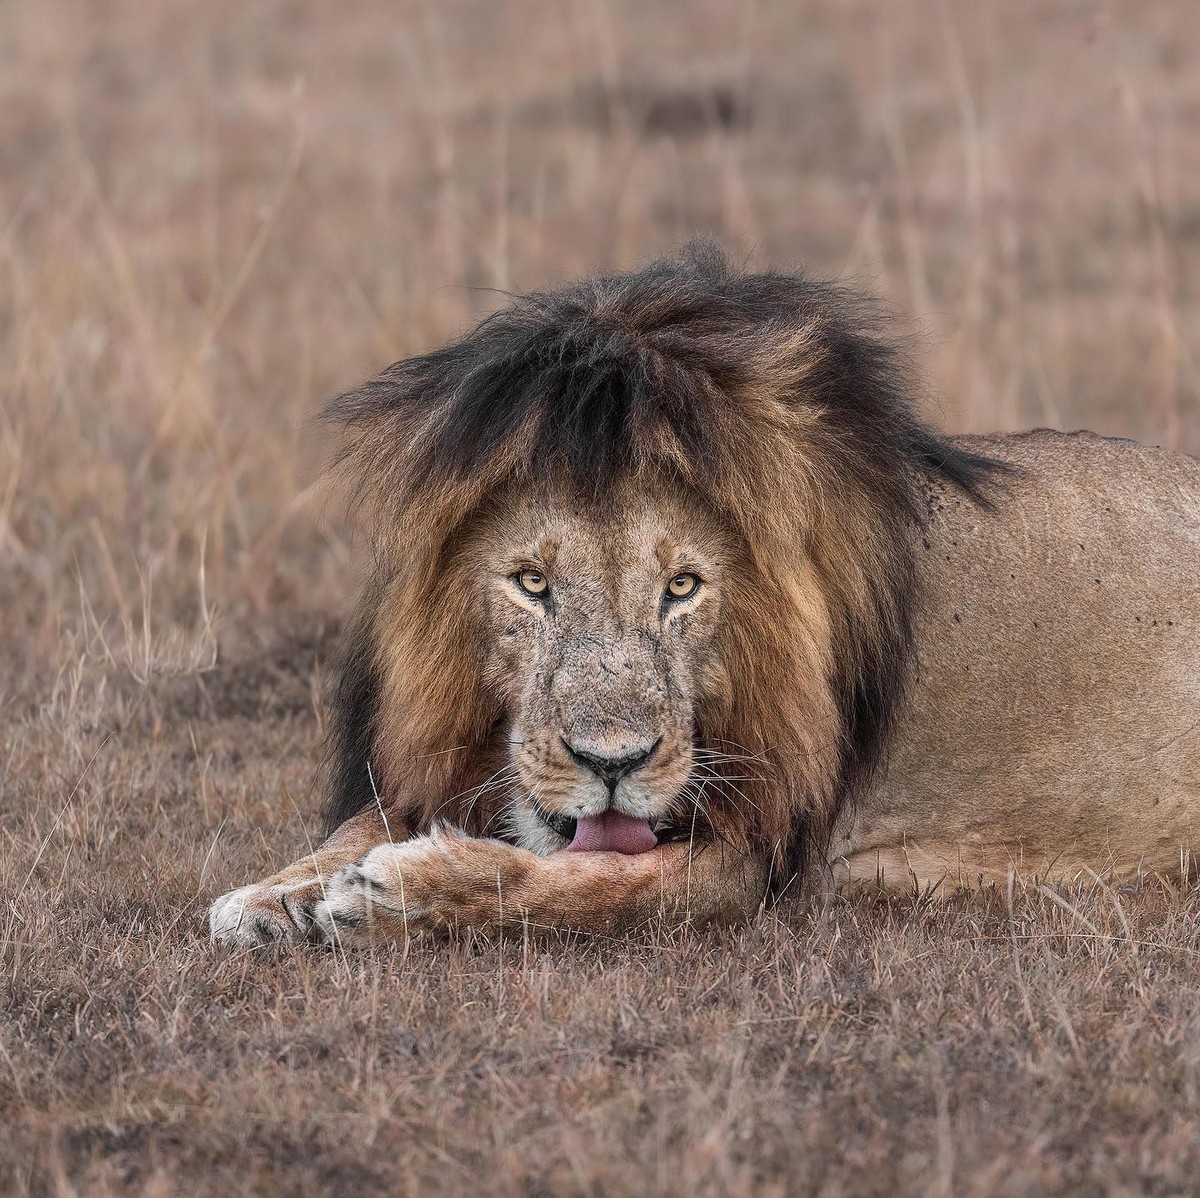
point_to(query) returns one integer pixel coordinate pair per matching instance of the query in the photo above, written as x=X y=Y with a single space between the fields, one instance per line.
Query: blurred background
x=213 y=216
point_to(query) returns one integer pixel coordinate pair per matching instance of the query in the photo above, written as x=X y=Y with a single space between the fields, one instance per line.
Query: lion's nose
x=610 y=768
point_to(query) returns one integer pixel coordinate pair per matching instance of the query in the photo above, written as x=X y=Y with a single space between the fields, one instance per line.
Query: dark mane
x=777 y=397
x=579 y=376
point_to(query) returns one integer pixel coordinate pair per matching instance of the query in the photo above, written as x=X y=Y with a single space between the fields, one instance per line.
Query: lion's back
x=1054 y=720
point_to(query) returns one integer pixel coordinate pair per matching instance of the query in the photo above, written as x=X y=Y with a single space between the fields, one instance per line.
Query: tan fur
x=1055 y=723
x=446 y=880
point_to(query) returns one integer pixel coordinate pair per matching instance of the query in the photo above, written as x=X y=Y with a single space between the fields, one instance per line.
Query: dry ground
x=214 y=215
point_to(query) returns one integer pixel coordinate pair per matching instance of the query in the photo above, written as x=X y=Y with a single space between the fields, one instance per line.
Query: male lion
x=676 y=601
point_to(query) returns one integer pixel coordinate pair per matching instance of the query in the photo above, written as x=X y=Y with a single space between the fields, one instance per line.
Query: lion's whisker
x=706 y=750
x=506 y=808
x=497 y=782
x=715 y=779
x=700 y=807
x=700 y=771
x=737 y=745
x=497 y=779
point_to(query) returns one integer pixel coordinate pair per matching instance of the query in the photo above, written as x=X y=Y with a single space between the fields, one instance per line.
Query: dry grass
x=212 y=216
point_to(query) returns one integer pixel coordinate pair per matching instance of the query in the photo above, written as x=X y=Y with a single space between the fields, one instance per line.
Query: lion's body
x=676 y=598
x=1054 y=723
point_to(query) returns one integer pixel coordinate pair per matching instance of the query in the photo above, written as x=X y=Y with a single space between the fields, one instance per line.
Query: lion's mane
x=776 y=399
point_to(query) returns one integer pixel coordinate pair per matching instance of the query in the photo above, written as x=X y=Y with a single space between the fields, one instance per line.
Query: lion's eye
x=683 y=586
x=533 y=583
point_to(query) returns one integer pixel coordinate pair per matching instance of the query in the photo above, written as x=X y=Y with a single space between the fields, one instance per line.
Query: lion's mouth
x=561 y=825
x=610 y=832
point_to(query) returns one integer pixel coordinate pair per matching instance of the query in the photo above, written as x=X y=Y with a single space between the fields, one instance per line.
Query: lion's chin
x=612 y=832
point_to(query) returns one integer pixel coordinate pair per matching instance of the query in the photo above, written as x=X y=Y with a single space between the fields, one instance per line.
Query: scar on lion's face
x=604 y=640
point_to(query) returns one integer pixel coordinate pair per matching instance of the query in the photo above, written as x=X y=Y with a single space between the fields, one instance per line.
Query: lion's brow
x=666 y=551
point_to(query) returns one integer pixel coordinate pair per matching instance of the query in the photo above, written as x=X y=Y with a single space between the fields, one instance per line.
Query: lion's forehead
x=610 y=548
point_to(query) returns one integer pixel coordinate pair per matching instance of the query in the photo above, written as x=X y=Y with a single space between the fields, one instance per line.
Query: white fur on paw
x=254 y=915
x=385 y=880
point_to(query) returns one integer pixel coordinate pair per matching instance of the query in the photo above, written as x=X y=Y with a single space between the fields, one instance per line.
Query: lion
x=678 y=606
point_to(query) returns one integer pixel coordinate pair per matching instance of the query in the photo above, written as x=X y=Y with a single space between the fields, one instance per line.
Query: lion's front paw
x=262 y=914
x=381 y=888
x=435 y=881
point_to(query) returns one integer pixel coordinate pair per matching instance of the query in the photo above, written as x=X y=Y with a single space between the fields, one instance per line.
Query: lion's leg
x=447 y=880
x=939 y=868
x=280 y=907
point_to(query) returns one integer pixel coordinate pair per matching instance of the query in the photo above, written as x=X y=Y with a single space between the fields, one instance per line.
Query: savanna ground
x=213 y=216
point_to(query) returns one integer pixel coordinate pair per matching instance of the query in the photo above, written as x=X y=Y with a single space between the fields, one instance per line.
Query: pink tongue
x=612 y=832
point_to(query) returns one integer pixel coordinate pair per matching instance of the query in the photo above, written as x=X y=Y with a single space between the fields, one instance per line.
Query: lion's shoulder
x=1132 y=506
x=1051 y=724
x=1046 y=451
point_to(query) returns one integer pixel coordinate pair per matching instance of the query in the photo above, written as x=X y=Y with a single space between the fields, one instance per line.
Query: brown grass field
x=212 y=217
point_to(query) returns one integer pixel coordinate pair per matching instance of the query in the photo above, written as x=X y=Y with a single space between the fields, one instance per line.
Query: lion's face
x=601 y=624
x=751 y=432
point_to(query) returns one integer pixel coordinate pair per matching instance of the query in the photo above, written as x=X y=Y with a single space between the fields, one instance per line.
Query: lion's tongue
x=612 y=832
